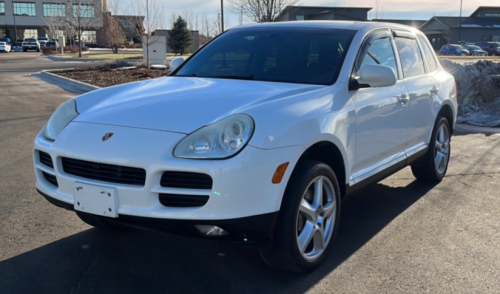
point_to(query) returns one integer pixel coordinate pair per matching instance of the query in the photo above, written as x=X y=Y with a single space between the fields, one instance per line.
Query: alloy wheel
x=316 y=218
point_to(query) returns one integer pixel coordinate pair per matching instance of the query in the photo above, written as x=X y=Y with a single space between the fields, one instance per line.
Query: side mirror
x=176 y=62
x=377 y=75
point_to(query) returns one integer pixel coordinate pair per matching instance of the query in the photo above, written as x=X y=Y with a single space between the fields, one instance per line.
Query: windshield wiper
x=248 y=78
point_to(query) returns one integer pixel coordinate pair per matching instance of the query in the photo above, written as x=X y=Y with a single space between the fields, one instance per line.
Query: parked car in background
x=4 y=47
x=52 y=44
x=475 y=50
x=42 y=41
x=493 y=48
x=31 y=44
x=453 y=49
x=6 y=40
x=17 y=46
x=259 y=147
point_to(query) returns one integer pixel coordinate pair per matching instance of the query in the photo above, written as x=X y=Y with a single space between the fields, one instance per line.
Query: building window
x=85 y=10
x=299 y=17
x=24 y=9
x=2 y=8
x=26 y=34
x=89 y=36
x=54 y=10
x=486 y=38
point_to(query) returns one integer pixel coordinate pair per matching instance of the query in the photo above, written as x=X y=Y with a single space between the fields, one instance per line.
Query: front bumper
x=242 y=186
x=253 y=231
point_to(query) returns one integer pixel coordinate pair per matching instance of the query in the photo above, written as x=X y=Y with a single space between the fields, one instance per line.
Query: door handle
x=404 y=98
x=434 y=90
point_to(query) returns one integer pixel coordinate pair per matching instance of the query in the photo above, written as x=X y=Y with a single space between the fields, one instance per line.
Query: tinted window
x=429 y=57
x=292 y=55
x=381 y=52
x=411 y=58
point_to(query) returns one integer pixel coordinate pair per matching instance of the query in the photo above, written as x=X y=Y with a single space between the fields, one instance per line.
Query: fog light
x=211 y=231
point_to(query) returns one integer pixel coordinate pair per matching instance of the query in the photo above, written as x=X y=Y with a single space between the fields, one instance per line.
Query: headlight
x=220 y=140
x=60 y=119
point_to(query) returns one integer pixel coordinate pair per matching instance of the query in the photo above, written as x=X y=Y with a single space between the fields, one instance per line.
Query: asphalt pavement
x=398 y=236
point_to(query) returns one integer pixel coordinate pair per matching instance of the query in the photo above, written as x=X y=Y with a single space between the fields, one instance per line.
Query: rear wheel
x=434 y=164
x=308 y=221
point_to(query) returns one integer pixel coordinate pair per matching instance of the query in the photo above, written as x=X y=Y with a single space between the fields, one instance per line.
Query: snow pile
x=478 y=91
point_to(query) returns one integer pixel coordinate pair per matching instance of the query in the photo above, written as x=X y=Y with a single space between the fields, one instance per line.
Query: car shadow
x=95 y=261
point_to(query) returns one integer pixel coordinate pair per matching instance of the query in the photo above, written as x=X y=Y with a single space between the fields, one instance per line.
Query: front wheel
x=433 y=166
x=308 y=219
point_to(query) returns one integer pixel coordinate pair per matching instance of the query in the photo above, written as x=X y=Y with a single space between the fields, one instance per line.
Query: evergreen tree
x=180 y=37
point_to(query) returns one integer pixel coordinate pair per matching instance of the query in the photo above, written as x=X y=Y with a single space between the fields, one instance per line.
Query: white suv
x=255 y=138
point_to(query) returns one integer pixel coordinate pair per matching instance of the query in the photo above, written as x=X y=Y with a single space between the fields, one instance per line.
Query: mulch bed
x=105 y=77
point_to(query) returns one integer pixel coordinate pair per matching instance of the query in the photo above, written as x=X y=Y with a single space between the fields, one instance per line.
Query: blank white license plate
x=96 y=199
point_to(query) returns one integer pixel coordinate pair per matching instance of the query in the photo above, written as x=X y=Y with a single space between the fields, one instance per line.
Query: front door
x=381 y=128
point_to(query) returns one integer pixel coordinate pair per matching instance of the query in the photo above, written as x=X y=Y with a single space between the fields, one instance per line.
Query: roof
x=480 y=8
x=408 y=22
x=481 y=22
x=333 y=24
x=448 y=21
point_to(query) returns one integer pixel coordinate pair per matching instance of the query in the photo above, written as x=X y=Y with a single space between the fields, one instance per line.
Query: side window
x=429 y=57
x=411 y=58
x=381 y=52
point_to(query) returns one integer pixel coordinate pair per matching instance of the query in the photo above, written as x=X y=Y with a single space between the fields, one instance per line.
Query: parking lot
x=399 y=236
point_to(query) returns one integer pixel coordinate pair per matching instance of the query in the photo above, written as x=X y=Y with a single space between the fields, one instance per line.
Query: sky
x=394 y=9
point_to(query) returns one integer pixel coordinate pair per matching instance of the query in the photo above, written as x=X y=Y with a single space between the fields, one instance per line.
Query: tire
x=37 y=50
x=474 y=54
x=24 y=50
x=301 y=218
x=101 y=224
x=433 y=165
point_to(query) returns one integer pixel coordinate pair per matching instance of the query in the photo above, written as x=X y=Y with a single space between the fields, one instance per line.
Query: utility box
x=157 y=50
x=62 y=43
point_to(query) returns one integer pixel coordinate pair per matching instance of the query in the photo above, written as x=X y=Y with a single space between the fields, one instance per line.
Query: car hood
x=179 y=104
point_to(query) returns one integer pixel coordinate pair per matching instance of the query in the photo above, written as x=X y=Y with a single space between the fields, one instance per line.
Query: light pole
x=222 y=15
x=460 y=23
x=15 y=26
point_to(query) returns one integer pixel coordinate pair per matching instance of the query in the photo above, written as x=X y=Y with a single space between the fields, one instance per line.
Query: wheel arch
x=330 y=154
x=447 y=112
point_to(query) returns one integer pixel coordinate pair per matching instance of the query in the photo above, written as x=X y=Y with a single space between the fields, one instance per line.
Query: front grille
x=174 y=200
x=104 y=172
x=51 y=179
x=46 y=159
x=186 y=180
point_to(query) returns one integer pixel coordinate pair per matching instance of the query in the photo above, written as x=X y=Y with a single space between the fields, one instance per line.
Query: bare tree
x=153 y=18
x=53 y=26
x=260 y=10
x=114 y=35
x=84 y=15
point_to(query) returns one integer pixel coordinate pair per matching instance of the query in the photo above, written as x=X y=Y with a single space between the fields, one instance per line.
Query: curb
x=67 y=83
x=89 y=60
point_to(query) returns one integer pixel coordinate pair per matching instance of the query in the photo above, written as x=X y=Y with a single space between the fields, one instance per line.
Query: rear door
x=422 y=89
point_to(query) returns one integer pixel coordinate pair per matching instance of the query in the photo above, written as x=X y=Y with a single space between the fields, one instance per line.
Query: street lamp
x=222 y=15
x=460 y=23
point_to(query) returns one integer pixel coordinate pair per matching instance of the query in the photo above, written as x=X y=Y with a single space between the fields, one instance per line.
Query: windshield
x=290 y=55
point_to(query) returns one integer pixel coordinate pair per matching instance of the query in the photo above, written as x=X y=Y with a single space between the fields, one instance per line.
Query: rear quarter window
x=429 y=56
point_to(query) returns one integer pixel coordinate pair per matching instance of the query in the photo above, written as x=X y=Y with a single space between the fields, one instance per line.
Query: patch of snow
x=126 y=67
x=478 y=91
